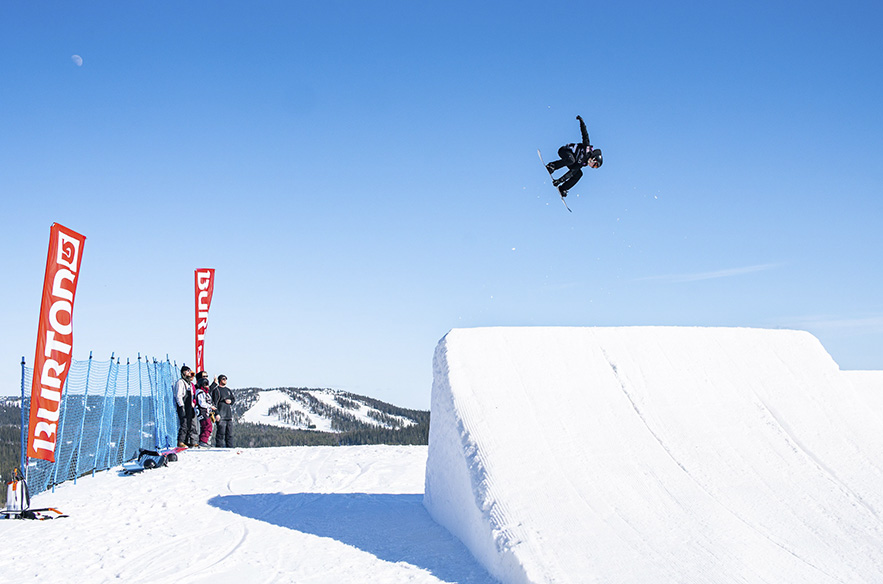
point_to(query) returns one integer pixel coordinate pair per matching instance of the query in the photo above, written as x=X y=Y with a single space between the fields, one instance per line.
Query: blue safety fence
x=108 y=413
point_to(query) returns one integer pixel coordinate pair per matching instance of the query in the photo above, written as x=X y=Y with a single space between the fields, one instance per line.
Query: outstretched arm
x=584 y=132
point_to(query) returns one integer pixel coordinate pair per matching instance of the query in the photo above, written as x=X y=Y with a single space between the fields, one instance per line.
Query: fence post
x=63 y=405
x=83 y=419
x=158 y=414
x=24 y=424
x=128 y=406
x=103 y=415
x=140 y=407
x=115 y=367
x=172 y=410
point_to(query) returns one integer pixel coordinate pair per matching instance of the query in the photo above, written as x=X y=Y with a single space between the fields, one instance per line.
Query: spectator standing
x=224 y=399
x=206 y=411
x=184 y=402
x=197 y=427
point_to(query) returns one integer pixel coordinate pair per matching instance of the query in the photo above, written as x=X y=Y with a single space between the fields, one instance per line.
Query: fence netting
x=108 y=412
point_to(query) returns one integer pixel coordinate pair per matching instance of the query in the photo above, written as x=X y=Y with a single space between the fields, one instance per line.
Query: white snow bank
x=869 y=385
x=654 y=454
x=317 y=515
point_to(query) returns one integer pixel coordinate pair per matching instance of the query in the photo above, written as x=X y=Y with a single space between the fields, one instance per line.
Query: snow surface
x=308 y=515
x=655 y=455
x=869 y=384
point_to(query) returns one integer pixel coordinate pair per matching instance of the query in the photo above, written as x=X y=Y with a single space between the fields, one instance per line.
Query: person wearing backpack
x=206 y=411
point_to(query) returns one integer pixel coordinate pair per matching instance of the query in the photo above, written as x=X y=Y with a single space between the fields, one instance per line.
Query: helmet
x=596 y=154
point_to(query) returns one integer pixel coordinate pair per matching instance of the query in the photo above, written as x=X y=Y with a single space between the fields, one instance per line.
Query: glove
x=180 y=412
x=579 y=118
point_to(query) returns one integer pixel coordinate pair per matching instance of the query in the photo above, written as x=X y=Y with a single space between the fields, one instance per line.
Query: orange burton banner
x=205 y=286
x=55 y=339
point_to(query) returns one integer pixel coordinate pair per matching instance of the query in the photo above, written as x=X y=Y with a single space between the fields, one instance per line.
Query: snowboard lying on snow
x=148 y=459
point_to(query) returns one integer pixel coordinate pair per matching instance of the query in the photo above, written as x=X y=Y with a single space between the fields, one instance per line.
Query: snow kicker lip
x=663 y=454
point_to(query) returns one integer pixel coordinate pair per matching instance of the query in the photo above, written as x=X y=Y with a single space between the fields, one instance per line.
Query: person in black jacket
x=574 y=157
x=224 y=399
x=184 y=402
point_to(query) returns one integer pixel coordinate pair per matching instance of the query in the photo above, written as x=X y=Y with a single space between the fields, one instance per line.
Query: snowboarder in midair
x=574 y=157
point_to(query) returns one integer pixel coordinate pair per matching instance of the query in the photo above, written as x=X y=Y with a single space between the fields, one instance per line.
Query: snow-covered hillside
x=656 y=454
x=308 y=515
x=324 y=410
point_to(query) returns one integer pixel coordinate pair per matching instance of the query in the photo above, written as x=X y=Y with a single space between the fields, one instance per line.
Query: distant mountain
x=324 y=410
x=290 y=416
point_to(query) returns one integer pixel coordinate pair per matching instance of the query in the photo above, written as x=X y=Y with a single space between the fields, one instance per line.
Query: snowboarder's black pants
x=224 y=435
x=185 y=420
x=574 y=171
x=570 y=178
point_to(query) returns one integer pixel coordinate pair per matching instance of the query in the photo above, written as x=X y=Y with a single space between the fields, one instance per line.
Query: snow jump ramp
x=655 y=455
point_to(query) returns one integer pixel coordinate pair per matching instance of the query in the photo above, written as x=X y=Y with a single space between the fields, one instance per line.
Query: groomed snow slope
x=869 y=385
x=298 y=515
x=654 y=454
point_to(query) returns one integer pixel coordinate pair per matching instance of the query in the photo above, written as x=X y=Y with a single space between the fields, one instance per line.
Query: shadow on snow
x=394 y=528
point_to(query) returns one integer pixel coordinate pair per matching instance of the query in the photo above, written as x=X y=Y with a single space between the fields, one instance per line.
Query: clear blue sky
x=363 y=176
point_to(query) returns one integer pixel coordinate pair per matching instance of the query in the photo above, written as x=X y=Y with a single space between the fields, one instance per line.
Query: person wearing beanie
x=206 y=411
x=184 y=403
x=224 y=400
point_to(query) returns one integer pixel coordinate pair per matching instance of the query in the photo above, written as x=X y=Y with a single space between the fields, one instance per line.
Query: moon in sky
x=78 y=60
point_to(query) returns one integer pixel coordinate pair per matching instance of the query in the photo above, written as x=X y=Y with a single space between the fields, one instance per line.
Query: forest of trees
x=261 y=435
x=10 y=442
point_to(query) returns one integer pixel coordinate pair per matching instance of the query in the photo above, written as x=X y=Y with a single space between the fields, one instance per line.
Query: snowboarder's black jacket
x=219 y=394
x=581 y=151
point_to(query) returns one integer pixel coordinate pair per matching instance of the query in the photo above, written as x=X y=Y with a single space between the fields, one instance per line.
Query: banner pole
x=23 y=459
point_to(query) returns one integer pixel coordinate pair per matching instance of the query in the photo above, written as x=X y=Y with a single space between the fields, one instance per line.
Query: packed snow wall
x=869 y=385
x=654 y=454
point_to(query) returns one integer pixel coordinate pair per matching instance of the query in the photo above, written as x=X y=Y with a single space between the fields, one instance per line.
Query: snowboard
x=39 y=514
x=133 y=467
x=148 y=459
x=540 y=154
